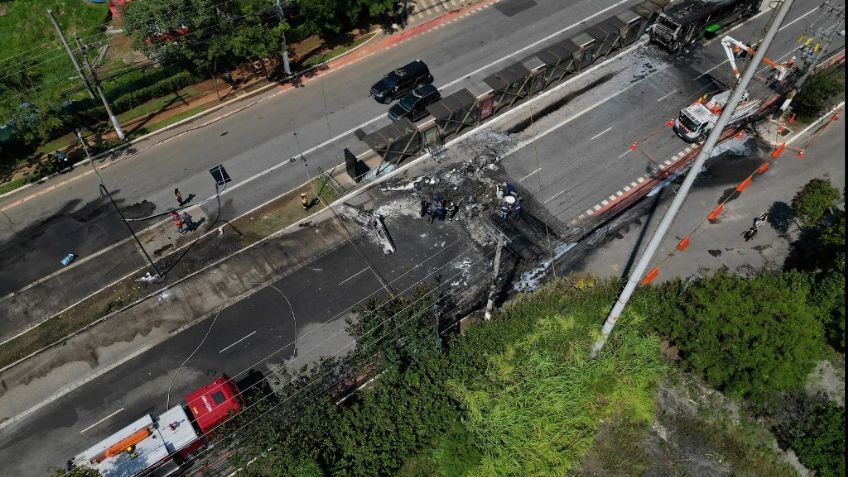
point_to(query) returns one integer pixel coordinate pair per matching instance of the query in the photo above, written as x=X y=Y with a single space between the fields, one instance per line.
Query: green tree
x=819 y=92
x=819 y=440
x=749 y=337
x=814 y=200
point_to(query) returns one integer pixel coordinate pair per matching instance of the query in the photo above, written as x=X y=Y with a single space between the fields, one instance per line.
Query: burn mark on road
x=521 y=126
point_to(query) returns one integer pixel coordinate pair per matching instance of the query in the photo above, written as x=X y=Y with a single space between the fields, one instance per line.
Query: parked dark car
x=414 y=104
x=401 y=81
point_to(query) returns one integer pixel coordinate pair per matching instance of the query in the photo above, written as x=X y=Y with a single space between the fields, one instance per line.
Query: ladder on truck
x=733 y=47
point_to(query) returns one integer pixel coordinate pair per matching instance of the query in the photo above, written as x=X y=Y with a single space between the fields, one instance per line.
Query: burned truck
x=684 y=24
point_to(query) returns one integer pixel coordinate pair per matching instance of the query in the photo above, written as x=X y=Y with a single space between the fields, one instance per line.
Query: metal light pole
x=703 y=155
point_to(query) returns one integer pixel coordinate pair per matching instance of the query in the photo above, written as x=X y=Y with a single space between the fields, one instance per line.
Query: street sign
x=220 y=175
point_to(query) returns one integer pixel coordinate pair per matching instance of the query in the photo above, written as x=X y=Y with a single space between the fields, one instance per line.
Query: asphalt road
x=719 y=245
x=257 y=333
x=317 y=119
x=582 y=153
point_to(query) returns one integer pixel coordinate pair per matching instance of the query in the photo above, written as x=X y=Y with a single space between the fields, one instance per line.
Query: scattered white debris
x=735 y=146
x=531 y=279
x=464 y=277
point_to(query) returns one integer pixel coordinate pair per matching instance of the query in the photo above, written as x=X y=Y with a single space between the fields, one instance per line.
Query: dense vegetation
x=518 y=396
x=818 y=93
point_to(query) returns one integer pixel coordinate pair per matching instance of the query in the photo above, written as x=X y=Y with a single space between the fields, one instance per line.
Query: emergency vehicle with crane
x=160 y=445
x=696 y=120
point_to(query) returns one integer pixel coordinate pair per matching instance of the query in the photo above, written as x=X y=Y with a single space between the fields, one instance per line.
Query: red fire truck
x=165 y=442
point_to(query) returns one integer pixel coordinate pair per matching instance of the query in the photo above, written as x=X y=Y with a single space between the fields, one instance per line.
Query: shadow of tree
x=781 y=216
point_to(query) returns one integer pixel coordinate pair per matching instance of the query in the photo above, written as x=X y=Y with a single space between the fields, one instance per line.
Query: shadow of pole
x=642 y=233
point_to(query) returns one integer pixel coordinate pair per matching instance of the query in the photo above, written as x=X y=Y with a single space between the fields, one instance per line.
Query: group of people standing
x=440 y=209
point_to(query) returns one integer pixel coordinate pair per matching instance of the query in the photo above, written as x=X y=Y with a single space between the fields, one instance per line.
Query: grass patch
x=318 y=59
x=278 y=214
x=538 y=401
x=159 y=105
x=29 y=37
x=176 y=118
x=14 y=184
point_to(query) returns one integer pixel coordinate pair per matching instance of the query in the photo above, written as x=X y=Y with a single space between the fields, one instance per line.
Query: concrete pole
x=71 y=54
x=281 y=12
x=112 y=118
x=490 y=303
x=703 y=155
x=811 y=66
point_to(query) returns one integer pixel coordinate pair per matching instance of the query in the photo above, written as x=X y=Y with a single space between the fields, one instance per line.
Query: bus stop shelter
x=454 y=112
x=395 y=142
x=560 y=59
x=510 y=85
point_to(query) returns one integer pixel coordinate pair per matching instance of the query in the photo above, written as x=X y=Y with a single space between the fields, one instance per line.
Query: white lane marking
x=555 y=196
x=623 y=154
x=443 y=87
x=353 y=276
x=238 y=341
x=567 y=120
x=666 y=96
x=530 y=174
x=779 y=30
x=596 y=136
x=102 y=420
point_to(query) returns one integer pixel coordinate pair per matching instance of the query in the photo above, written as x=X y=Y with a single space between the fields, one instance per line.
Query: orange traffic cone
x=800 y=154
x=633 y=146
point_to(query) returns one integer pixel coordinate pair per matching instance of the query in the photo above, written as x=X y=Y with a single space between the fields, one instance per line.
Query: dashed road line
x=101 y=421
x=238 y=341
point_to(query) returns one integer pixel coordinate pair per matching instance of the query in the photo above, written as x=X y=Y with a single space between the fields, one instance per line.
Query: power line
x=338 y=366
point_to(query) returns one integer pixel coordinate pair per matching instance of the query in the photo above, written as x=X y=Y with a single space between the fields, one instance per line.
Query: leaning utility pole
x=83 y=48
x=703 y=155
x=810 y=66
x=502 y=240
x=71 y=54
x=281 y=12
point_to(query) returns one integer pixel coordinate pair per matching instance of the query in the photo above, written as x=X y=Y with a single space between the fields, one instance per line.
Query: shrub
x=749 y=337
x=818 y=92
x=819 y=440
x=814 y=200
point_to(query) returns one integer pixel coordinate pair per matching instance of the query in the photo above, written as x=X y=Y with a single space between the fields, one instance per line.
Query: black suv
x=400 y=81
x=414 y=104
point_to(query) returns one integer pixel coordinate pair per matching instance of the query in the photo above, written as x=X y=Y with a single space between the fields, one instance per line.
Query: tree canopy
x=749 y=337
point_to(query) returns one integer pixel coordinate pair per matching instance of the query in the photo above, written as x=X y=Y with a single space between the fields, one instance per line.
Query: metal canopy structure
x=608 y=36
x=587 y=47
x=395 y=142
x=454 y=112
x=649 y=10
x=631 y=25
x=510 y=84
x=560 y=59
